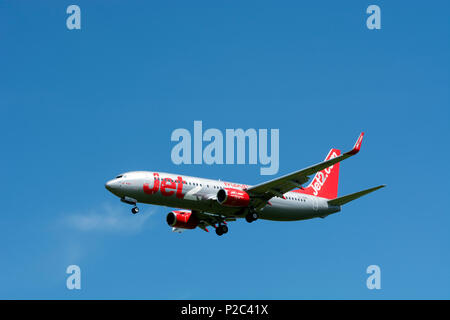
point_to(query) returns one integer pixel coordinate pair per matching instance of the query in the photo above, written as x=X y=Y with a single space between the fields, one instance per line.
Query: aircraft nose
x=109 y=185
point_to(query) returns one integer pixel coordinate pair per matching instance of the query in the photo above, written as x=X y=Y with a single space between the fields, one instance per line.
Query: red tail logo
x=325 y=182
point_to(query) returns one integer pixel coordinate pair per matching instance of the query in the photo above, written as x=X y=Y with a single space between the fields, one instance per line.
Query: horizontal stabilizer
x=350 y=197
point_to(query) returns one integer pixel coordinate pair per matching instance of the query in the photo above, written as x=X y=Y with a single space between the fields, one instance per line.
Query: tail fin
x=345 y=199
x=325 y=182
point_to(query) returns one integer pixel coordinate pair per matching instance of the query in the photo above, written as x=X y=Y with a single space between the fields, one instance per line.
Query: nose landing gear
x=135 y=210
x=131 y=201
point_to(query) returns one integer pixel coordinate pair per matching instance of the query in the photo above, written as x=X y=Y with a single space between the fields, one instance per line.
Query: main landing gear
x=251 y=216
x=221 y=229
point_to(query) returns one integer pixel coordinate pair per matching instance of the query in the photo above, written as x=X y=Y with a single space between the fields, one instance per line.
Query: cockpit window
x=119 y=176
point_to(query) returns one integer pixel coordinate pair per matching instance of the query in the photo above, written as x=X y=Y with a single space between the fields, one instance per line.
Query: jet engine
x=182 y=219
x=233 y=197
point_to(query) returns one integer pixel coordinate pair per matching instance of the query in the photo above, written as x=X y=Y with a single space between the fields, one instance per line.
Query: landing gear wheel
x=221 y=229
x=252 y=216
x=224 y=229
x=135 y=210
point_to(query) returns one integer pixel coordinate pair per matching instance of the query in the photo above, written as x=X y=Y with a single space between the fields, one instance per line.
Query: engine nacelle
x=233 y=197
x=182 y=219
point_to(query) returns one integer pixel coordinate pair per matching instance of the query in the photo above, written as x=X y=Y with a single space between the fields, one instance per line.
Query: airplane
x=207 y=203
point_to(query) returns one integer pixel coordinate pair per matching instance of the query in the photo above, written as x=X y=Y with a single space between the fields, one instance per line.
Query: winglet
x=357 y=145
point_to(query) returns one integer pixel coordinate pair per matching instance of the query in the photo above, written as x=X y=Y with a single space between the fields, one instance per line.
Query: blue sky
x=78 y=107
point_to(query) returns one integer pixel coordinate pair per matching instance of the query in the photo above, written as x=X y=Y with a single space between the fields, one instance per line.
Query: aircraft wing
x=277 y=187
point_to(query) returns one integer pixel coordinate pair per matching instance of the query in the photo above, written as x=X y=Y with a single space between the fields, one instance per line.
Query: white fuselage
x=199 y=194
